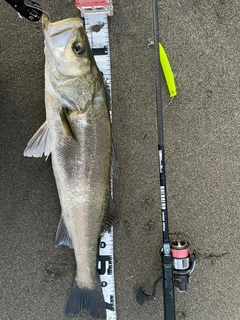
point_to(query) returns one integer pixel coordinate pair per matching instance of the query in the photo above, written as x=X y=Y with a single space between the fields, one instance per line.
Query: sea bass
x=77 y=134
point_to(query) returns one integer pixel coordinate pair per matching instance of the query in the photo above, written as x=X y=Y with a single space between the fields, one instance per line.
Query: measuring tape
x=95 y=14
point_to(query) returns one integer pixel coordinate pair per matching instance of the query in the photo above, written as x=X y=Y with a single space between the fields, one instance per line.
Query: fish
x=77 y=134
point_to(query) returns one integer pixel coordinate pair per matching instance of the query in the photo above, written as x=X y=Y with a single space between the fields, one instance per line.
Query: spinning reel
x=182 y=263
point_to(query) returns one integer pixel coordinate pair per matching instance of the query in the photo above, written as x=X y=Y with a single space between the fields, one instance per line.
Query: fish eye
x=78 y=49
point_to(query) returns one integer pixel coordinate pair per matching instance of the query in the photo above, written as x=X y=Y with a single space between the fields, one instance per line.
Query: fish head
x=69 y=65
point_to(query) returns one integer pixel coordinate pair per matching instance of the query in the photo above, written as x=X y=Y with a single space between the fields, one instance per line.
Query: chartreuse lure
x=167 y=71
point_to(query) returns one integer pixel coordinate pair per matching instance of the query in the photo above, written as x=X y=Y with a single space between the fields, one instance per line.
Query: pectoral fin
x=66 y=123
x=39 y=144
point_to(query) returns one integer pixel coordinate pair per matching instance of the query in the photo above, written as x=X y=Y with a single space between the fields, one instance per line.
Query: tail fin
x=87 y=300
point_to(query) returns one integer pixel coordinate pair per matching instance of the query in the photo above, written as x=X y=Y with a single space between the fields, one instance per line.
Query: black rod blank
x=163 y=186
x=167 y=260
x=158 y=69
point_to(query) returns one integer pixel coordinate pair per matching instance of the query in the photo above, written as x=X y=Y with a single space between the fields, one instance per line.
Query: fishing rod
x=177 y=261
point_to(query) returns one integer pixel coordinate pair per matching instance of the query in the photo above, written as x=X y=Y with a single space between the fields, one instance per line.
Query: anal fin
x=62 y=235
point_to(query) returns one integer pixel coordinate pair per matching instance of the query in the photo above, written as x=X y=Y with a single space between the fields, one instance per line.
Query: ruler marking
x=100 y=41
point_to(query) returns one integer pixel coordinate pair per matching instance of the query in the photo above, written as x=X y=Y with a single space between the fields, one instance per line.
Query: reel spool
x=181 y=254
x=183 y=263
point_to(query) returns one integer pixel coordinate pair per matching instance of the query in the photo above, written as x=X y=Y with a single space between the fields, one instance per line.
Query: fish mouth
x=45 y=21
x=54 y=28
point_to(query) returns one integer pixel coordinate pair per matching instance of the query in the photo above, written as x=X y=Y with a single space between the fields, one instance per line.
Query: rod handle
x=168 y=288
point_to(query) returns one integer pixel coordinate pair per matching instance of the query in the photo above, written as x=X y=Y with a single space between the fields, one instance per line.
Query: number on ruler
x=105 y=265
x=110 y=306
x=102 y=244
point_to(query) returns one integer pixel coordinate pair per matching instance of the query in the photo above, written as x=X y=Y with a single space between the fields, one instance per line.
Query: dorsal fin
x=110 y=216
x=114 y=164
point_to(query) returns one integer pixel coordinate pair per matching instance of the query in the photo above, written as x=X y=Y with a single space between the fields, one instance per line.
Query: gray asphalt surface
x=202 y=158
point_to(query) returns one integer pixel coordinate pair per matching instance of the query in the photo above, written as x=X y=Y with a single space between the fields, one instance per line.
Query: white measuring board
x=96 y=25
x=99 y=42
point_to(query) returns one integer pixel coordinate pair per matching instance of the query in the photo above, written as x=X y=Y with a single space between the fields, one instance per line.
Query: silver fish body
x=77 y=133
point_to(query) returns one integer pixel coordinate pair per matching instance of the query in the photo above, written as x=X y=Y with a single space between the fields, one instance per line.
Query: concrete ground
x=202 y=138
